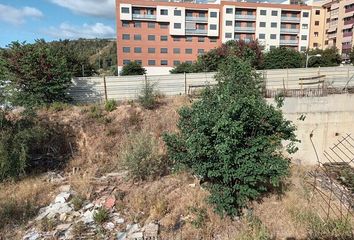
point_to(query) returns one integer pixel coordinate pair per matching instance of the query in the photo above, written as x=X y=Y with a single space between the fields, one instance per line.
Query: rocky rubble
x=62 y=219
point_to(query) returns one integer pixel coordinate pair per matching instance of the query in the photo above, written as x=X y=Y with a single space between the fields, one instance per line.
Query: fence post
x=105 y=88
x=145 y=77
x=185 y=83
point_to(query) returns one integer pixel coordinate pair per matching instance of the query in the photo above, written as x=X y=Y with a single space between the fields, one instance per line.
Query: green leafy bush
x=148 y=96
x=141 y=157
x=110 y=105
x=183 y=68
x=28 y=146
x=232 y=139
x=283 y=57
x=132 y=68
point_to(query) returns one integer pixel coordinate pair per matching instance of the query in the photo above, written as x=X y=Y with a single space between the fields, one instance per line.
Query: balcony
x=144 y=17
x=246 y=40
x=290 y=19
x=289 y=30
x=196 y=32
x=196 y=19
x=245 y=17
x=245 y=29
x=289 y=42
x=332 y=35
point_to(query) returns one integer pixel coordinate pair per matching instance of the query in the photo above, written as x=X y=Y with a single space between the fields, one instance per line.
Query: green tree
x=132 y=68
x=232 y=139
x=3 y=74
x=351 y=55
x=37 y=73
x=282 y=57
x=183 y=68
x=329 y=57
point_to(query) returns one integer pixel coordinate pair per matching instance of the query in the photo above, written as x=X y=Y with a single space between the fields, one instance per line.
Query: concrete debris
x=62 y=197
x=151 y=230
x=109 y=226
x=121 y=236
x=87 y=217
x=32 y=235
x=110 y=202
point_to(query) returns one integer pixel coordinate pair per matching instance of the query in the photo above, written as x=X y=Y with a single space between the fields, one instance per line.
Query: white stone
x=88 y=206
x=33 y=235
x=65 y=188
x=87 y=217
x=109 y=226
x=62 y=197
x=136 y=236
x=121 y=236
x=131 y=228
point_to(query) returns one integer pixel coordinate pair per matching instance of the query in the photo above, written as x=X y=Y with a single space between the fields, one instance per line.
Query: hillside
x=171 y=206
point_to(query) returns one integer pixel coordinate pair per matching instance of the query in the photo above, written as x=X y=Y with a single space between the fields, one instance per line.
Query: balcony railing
x=246 y=40
x=288 y=42
x=289 y=30
x=197 y=31
x=245 y=17
x=144 y=16
x=290 y=19
x=197 y=19
x=332 y=35
x=245 y=29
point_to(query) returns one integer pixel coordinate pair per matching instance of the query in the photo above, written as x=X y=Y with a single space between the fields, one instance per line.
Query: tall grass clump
x=148 y=96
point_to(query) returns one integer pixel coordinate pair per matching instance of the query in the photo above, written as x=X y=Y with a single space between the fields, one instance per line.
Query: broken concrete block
x=121 y=236
x=32 y=235
x=62 y=197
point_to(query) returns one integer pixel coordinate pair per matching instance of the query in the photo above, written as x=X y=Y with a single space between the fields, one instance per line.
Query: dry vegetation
x=176 y=201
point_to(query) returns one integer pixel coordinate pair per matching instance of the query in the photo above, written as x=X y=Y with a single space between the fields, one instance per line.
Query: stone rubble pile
x=62 y=212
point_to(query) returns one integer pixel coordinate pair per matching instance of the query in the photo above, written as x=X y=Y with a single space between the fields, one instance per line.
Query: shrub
x=58 y=106
x=329 y=57
x=100 y=215
x=183 y=68
x=77 y=202
x=232 y=139
x=148 y=96
x=200 y=216
x=27 y=146
x=110 y=105
x=133 y=68
x=283 y=57
x=141 y=157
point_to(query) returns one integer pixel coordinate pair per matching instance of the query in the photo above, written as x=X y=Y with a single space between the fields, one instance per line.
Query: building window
x=151 y=37
x=238 y=24
x=137 y=49
x=317 y=23
x=326 y=42
x=176 y=51
x=263 y=12
x=163 y=25
x=304 y=37
x=177 y=26
x=305 y=26
x=126 y=37
x=125 y=10
x=228 y=23
x=229 y=10
x=315 y=45
x=212 y=27
x=213 y=39
x=262 y=24
x=249 y=13
x=177 y=12
x=249 y=24
x=316 y=34
x=228 y=35
x=164 y=62
x=261 y=36
x=126 y=62
x=176 y=39
x=237 y=36
x=200 y=51
x=136 y=11
x=151 y=50
x=151 y=25
x=137 y=37
x=273 y=25
x=137 y=24
x=163 y=12
x=201 y=27
x=189 y=51
x=274 y=13
x=163 y=38
x=202 y=14
x=139 y=62
x=189 y=39
x=151 y=62
x=176 y=63
x=305 y=14
x=272 y=47
x=213 y=14
x=273 y=36
x=126 y=49
x=303 y=49
x=201 y=39
x=125 y=24
x=318 y=12
x=163 y=50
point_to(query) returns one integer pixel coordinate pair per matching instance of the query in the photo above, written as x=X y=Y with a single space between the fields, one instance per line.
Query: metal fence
x=293 y=82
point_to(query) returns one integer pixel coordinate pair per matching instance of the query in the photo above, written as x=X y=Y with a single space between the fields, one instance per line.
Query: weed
x=200 y=216
x=110 y=105
x=142 y=159
x=12 y=212
x=148 y=96
x=101 y=215
x=58 y=106
x=77 y=202
x=47 y=225
x=254 y=230
x=159 y=209
x=79 y=229
x=95 y=112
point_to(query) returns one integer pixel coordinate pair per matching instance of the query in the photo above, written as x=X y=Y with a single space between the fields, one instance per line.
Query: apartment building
x=163 y=34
